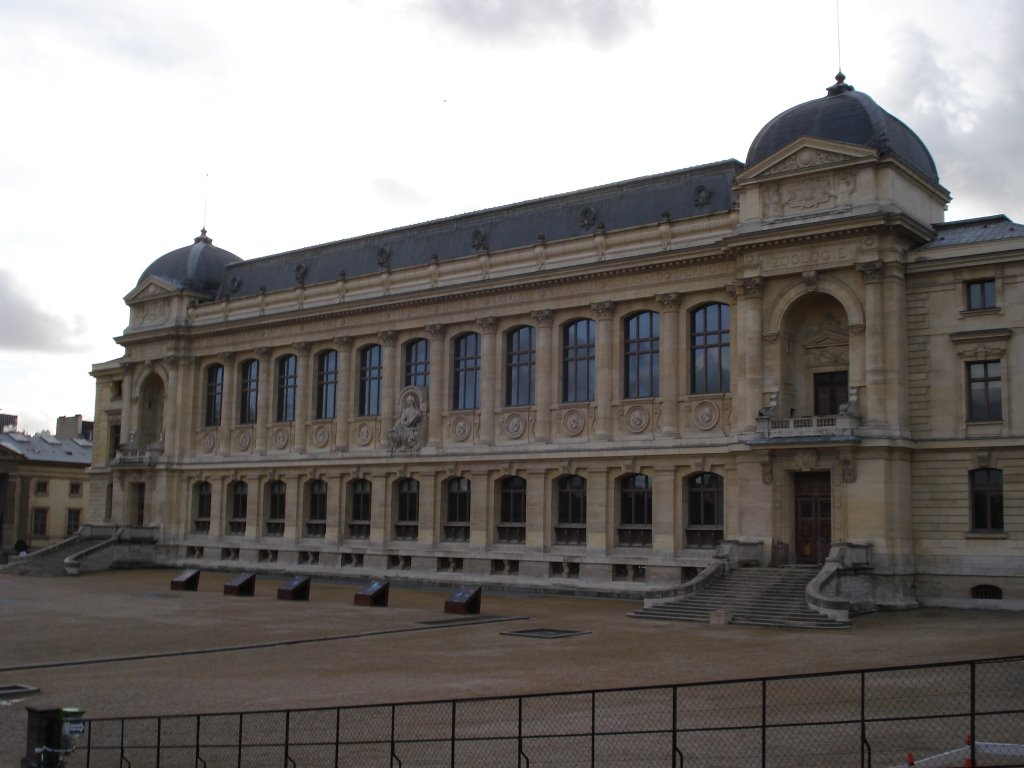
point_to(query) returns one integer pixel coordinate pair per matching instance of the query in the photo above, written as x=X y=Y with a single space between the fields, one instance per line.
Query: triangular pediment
x=806 y=154
x=151 y=288
x=830 y=338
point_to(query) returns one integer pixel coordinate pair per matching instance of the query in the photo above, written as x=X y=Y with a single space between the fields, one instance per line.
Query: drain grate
x=545 y=633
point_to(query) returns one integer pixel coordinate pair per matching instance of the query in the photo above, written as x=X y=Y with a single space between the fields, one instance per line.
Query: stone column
x=546 y=376
x=669 y=363
x=600 y=529
x=305 y=390
x=378 y=506
x=229 y=406
x=429 y=511
x=344 y=410
x=747 y=340
x=128 y=399
x=438 y=379
x=490 y=365
x=538 y=518
x=390 y=376
x=874 y=343
x=664 y=533
x=895 y=312
x=605 y=384
x=481 y=509
x=265 y=398
x=171 y=425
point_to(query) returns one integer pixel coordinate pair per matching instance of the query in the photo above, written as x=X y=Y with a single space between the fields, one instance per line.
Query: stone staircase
x=49 y=561
x=764 y=596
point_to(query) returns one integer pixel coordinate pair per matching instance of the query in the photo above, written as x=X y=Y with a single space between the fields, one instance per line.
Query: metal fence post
x=974 y=733
x=764 y=723
x=453 y=734
x=337 y=735
x=241 y=715
x=593 y=729
x=159 y=731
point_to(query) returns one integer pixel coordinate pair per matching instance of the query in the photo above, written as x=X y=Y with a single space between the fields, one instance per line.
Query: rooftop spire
x=840 y=86
x=202 y=237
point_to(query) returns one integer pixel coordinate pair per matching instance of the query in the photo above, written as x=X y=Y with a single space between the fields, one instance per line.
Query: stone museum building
x=789 y=360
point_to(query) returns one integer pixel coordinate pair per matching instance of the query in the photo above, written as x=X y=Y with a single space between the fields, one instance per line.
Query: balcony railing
x=839 y=425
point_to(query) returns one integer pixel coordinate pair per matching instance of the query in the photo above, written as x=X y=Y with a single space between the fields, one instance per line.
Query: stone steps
x=755 y=596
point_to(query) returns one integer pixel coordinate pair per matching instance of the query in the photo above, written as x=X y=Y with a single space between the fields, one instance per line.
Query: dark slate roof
x=848 y=116
x=197 y=267
x=47 y=449
x=988 y=228
x=678 y=194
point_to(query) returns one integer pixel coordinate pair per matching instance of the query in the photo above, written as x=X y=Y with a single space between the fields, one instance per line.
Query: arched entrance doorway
x=812 y=493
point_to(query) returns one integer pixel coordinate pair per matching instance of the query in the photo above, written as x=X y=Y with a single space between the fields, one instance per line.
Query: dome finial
x=840 y=86
x=202 y=237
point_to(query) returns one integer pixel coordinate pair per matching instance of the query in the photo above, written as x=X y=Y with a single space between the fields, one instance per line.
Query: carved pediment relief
x=806 y=155
x=828 y=347
x=148 y=289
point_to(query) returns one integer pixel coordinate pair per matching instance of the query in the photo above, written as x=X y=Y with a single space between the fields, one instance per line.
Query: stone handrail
x=836 y=608
x=716 y=569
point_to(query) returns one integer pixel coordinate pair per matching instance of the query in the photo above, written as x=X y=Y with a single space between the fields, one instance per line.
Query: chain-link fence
x=927 y=715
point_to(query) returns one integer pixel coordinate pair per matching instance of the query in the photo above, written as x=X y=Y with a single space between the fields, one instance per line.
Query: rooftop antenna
x=839 y=39
x=206 y=194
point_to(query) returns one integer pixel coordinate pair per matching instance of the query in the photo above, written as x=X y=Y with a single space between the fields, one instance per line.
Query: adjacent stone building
x=786 y=360
x=44 y=487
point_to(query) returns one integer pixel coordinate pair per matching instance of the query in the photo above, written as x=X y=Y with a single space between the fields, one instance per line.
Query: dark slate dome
x=849 y=116
x=196 y=267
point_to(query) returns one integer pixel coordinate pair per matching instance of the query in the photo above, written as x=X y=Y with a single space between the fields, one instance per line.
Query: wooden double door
x=813 y=496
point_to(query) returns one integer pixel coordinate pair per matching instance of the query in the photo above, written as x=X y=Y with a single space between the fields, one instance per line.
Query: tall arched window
x=466 y=372
x=520 y=365
x=407 y=515
x=417 y=363
x=635 y=511
x=986 y=500
x=239 y=508
x=705 y=510
x=571 y=524
x=578 y=361
x=277 y=493
x=201 y=507
x=316 y=508
x=359 y=509
x=512 y=511
x=287 y=381
x=641 y=355
x=371 y=371
x=709 y=349
x=327 y=384
x=214 y=395
x=456 y=522
x=249 y=391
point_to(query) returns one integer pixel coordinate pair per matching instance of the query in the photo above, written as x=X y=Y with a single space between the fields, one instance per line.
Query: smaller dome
x=196 y=267
x=848 y=116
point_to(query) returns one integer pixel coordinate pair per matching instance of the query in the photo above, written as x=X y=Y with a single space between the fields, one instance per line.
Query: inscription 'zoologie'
x=809 y=257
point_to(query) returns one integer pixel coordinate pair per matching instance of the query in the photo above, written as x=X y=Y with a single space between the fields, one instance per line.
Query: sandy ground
x=139 y=639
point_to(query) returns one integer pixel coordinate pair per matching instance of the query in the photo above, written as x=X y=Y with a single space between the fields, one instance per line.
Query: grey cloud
x=146 y=35
x=976 y=146
x=27 y=327
x=603 y=22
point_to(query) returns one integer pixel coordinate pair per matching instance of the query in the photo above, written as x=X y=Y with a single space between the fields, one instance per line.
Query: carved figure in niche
x=772 y=208
x=770 y=410
x=850 y=406
x=406 y=434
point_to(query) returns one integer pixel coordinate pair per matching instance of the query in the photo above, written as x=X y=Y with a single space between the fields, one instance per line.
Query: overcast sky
x=128 y=123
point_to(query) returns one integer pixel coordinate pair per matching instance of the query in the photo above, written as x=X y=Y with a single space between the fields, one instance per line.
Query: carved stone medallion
x=515 y=426
x=705 y=415
x=637 y=419
x=574 y=422
x=461 y=428
x=209 y=442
